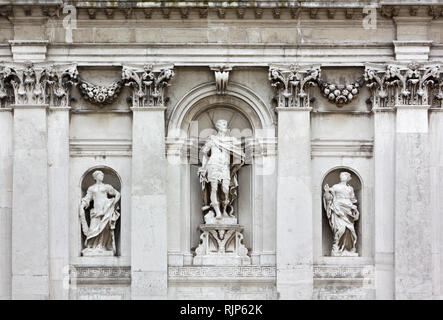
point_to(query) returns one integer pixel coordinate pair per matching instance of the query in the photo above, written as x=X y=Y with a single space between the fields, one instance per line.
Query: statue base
x=221 y=244
x=344 y=254
x=90 y=252
x=224 y=220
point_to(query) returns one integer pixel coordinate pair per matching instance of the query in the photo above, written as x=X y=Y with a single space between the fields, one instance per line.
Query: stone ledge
x=228 y=273
x=100 y=274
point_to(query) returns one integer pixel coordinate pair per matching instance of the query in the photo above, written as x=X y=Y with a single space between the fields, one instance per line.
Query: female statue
x=339 y=202
x=99 y=234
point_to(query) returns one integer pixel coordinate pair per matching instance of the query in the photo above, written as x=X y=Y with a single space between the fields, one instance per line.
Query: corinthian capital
x=411 y=84
x=292 y=83
x=148 y=84
x=36 y=84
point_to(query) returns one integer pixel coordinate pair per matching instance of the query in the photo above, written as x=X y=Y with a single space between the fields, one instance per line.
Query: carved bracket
x=292 y=85
x=221 y=73
x=340 y=94
x=221 y=245
x=411 y=84
x=100 y=95
x=148 y=84
x=39 y=84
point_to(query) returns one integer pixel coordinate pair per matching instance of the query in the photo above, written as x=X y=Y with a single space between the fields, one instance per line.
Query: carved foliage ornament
x=148 y=84
x=340 y=94
x=29 y=84
x=405 y=85
x=291 y=85
x=100 y=95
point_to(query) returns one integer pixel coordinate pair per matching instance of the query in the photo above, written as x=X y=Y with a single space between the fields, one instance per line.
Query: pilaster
x=149 y=241
x=294 y=189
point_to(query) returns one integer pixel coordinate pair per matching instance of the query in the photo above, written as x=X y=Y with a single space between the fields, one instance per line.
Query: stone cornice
x=185 y=9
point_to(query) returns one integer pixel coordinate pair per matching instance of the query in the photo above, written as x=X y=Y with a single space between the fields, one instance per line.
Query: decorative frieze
x=411 y=84
x=148 y=84
x=222 y=273
x=292 y=85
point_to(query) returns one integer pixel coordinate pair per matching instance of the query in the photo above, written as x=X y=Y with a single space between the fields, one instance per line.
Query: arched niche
x=331 y=178
x=190 y=122
x=112 y=178
x=203 y=126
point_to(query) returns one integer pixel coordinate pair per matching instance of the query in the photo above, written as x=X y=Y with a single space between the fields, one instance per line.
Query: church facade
x=221 y=150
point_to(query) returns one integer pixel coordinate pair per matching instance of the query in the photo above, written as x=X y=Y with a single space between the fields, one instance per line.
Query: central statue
x=222 y=157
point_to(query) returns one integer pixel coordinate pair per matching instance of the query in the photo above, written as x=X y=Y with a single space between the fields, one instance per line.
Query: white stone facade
x=133 y=89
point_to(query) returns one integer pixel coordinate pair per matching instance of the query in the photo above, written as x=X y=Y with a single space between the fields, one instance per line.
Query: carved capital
x=148 y=84
x=411 y=84
x=221 y=73
x=292 y=83
x=39 y=84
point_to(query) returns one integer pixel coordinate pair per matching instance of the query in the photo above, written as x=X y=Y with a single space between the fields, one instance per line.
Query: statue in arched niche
x=222 y=158
x=340 y=205
x=100 y=238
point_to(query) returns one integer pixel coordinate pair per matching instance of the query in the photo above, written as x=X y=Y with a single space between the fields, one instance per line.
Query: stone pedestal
x=149 y=205
x=413 y=218
x=6 y=127
x=58 y=192
x=294 y=205
x=221 y=244
x=384 y=190
x=30 y=269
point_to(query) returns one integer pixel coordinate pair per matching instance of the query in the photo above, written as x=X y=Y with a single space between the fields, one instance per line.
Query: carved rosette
x=411 y=84
x=148 y=84
x=100 y=95
x=36 y=84
x=291 y=85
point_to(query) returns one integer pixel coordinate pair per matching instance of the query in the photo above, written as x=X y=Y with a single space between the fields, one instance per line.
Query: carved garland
x=340 y=94
x=100 y=95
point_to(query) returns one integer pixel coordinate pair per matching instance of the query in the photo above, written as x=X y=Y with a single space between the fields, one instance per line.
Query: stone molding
x=98 y=274
x=100 y=147
x=184 y=9
x=222 y=273
x=342 y=148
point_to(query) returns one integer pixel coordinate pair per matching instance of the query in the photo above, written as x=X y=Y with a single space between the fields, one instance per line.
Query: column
x=384 y=191
x=30 y=270
x=149 y=205
x=294 y=204
x=5 y=201
x=58 y=192
x=413 y=218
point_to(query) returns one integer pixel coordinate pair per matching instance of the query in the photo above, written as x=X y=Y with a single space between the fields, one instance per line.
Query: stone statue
x=339 y=202
x=222 y=158
x=100 y=239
